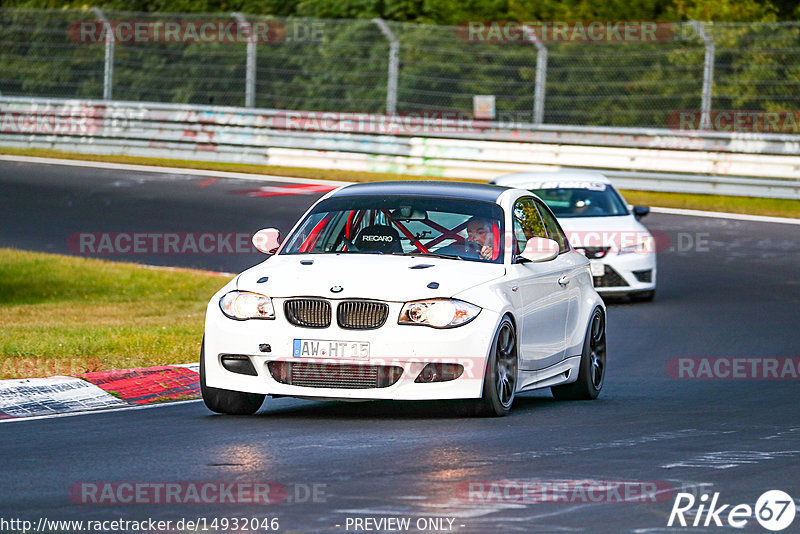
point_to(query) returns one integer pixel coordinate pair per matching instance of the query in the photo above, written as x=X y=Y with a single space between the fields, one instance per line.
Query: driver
x=478 y=242
x=479 y=236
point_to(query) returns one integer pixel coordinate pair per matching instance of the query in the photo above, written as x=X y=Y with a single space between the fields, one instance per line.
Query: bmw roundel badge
x=337 y=289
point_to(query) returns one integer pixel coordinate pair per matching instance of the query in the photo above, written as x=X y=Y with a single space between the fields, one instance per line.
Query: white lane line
x=293 y=180
x=100 y=411
x=22 y=398
x=192 y=366
x=168 y=268
x=723 y=215
x=171 y=170
x=730 y=459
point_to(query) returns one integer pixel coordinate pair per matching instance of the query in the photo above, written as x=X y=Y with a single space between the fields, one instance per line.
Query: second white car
x=600 y=225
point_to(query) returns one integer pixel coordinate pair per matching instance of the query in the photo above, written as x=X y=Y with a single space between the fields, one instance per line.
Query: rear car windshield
x=598 y=200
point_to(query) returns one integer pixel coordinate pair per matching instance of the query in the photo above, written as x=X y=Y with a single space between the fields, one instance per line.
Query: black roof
x=465 y=190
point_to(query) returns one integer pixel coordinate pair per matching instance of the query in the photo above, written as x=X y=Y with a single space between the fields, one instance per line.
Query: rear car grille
x=310 y=313
x=644 y=275
x=334 y=375
x=610 y=278
x=361 y=314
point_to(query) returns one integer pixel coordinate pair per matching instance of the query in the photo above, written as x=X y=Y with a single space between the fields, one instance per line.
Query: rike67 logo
x=774 y=510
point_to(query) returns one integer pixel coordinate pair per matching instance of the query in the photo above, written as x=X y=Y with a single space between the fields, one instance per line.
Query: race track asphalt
x=727 y=288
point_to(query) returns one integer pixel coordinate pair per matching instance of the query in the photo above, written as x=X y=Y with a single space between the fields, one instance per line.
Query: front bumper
x=625 y=273
x=408 y=347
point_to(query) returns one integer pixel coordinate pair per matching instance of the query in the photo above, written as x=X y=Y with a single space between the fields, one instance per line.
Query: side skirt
x=563 y=372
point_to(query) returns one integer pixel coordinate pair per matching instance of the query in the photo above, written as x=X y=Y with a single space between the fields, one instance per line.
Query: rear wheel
x=500 y=379
x=591 y=373
x=226 y=401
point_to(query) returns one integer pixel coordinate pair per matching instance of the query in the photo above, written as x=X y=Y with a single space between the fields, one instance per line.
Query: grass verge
x=732 y=204
x=65 y=316
x=773 y=207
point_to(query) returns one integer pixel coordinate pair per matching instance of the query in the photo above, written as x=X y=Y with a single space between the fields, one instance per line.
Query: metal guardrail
x=766 y=165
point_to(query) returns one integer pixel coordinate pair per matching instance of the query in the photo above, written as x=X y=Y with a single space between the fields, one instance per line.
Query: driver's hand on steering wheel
x=485 y=251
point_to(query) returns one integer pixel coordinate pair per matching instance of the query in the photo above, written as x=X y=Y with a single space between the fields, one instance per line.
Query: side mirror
x=540 y=249
x=640 y=211
x=267 y=240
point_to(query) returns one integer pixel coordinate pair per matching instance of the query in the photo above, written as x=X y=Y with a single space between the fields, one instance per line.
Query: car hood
x=380 y=277
x=603 y=231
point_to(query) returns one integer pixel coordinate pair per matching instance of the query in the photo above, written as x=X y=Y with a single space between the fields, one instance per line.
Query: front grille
x=610 y=278
x=361 y=314
x=334 y=375
x=644 y=275
x=593 y=253
x=310 y=313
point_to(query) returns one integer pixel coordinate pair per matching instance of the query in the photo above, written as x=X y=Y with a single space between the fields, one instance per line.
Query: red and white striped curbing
x=33 y=397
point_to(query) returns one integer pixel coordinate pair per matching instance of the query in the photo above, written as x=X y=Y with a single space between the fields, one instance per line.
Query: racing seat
x=378 y=238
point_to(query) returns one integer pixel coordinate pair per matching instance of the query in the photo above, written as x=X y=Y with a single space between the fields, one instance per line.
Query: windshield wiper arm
x=425 y=255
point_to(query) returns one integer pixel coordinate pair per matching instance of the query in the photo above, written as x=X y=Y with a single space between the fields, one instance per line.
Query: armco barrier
x=766 y=165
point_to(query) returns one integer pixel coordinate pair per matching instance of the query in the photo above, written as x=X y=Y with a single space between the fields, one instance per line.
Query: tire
x=591 y=373
x=643 y=296
x=225 y=401
x=500 y=376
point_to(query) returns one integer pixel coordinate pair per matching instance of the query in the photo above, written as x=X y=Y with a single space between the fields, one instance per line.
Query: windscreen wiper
x=428 y=254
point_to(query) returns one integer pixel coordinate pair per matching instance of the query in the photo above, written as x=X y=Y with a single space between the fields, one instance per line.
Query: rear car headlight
x=242 y=305
x=438 y=313
x=641 y=245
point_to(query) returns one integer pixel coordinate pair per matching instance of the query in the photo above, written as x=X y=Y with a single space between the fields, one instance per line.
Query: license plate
x=325 y=348
x=598 y=268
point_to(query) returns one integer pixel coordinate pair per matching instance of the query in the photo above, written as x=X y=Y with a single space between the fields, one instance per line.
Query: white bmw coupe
x=409 y=291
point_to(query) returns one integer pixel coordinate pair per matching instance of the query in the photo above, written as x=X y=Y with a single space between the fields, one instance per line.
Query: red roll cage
x=354 y=218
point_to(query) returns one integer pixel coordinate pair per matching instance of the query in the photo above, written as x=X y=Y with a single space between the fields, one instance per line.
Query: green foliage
x=340 y=63
x=725 y=10
x=451 y=12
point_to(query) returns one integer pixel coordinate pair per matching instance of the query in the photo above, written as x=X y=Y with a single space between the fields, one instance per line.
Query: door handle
x=563 y=281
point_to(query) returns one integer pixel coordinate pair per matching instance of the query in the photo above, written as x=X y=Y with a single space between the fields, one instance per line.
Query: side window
x=527 y=222
x=554 y=231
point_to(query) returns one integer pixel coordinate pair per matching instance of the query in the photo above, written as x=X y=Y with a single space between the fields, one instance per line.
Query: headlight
x=243 y=305
x=642 y=245
x=438 y=313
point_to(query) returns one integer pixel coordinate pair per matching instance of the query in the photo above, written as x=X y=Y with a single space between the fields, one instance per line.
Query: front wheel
x=591 y=373
x=226 y=401
x=500 y=379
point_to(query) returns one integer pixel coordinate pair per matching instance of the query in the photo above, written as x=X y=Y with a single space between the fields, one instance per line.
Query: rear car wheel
x=591 y=373
x=500 y=378
x=226 y=401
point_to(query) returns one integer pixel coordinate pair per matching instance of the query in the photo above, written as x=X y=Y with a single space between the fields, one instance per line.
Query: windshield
x=452 y=228
x=589 y=200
